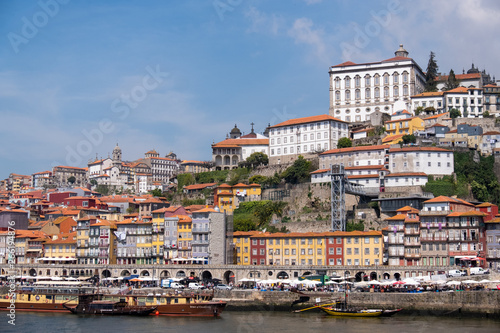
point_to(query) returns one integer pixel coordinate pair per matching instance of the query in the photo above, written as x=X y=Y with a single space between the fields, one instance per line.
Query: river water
x=245 y=322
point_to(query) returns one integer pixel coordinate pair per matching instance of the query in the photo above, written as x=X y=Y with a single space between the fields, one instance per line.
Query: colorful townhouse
x=246 y=253
x=60 y=249
x=102 y=242
x=185 y=237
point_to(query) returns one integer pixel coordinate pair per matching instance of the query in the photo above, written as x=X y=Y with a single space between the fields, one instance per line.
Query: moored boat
x=51 y=299
x=92 y=304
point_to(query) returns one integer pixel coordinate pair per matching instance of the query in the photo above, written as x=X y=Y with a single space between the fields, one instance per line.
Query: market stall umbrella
x=453 y=283
x=374 y=282
x=469 y=281
x=398 y=283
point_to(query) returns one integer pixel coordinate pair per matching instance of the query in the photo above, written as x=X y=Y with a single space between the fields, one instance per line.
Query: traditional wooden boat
x=92 y=304
x=340 y=308
x=51 y=299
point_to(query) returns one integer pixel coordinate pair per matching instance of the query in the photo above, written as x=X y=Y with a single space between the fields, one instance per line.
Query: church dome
x=235 y=132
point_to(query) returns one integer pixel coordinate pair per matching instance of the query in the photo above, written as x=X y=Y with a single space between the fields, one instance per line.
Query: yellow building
x=452 y=138
x=295 y=248
x=363 y=248
x=61 y=246
x=229 y=197
x=404 y=126
x=184 y=236
x=243 y=246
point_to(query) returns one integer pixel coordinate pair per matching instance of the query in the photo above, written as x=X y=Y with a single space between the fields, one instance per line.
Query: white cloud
x=303 y=32
x=264 y=23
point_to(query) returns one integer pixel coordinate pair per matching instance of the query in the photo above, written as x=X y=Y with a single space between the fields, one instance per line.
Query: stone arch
x=235 y=160
x=306 y=273
x=125 y=273
x=32 y=272
x=206 y=275
x=218 y=160
x=56 y=273
x=386 y=276
x=64 y=272
x=180 y=274
x=165 y=274
x=229 y=277
x=361 y=276
x=144 y=273
x=48 y=272
x=227 y=160
x=282 y=275
x=106 y=273
x=397 y=276
x=373 y=276
x=77 y=273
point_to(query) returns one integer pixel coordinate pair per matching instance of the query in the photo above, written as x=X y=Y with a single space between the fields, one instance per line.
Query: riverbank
x=468 y=303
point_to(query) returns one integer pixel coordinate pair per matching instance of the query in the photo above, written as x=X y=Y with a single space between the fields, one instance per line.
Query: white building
x=304 y=136
x=358 y=90
x=405 y=179
x=469 y=101
x=490 y=143
x=355 y=156
x=429 y=160
x=228 y=153
x=433 y=99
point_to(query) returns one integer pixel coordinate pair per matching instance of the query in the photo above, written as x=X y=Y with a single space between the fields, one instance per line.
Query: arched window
x=367 y=93
x=347 y=82
x=395 y=78
x=348 y=95
x=396 y=91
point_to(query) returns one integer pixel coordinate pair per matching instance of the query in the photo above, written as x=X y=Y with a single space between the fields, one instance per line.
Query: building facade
x=358 y=90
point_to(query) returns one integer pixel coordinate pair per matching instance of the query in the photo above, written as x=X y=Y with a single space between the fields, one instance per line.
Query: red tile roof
x=305 y=120
x=355 y=149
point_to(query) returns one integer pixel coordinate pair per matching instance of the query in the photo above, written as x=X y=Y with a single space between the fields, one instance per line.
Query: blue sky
x=78 y=77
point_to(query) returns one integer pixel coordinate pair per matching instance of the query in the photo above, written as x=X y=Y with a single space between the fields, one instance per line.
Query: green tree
x=419 y=110
x=452 y=81
x=299 y=171
x=184 y=179
x=103 y=189
x=93 y=182
x=431 y=74
x=344 y=143
x=257 y=179
x=156 y=192
x=72 y=180
x=409 y=138
x=455 y=113
x=257 y=159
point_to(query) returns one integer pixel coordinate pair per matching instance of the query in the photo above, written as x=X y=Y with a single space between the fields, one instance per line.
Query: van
x=455 y=273
x=478 y=271
x=194 y=285
x=171 y=284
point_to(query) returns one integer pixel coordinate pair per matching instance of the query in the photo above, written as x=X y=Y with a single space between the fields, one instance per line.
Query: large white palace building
x=358 y=90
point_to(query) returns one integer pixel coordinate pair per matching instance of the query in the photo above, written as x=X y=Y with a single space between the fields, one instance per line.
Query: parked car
x=478 y=271
x=455 y=273
x=194 y=285
x=223 y=287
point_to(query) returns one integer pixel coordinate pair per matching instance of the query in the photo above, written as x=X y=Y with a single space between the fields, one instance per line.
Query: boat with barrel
x=94 y=305
x=49 y=296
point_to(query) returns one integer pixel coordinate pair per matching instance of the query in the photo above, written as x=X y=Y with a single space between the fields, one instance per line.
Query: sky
x=79 y=77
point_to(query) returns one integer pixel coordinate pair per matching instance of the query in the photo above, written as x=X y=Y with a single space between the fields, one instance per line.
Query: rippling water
x=254 y=321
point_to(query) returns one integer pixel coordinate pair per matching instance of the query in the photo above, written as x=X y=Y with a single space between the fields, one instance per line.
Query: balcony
x=433 y=239
x=412 y=243
x=412 y=255
x=412 y=232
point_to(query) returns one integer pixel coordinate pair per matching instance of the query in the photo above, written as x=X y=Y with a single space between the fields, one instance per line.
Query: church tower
x=117 y=155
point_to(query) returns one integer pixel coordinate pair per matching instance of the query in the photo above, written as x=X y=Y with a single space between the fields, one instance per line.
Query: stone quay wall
x=473 y=303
